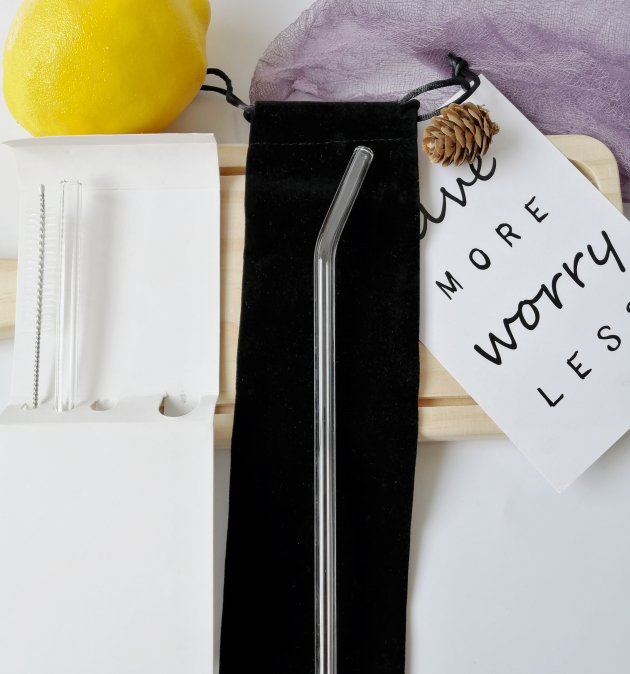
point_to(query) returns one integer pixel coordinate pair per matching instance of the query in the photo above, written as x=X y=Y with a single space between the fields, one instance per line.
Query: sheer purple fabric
x=564 y=64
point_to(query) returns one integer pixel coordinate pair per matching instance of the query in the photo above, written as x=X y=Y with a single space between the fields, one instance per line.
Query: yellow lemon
x=104 y=66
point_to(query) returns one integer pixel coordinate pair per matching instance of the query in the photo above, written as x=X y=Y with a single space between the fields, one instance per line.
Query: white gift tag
x=525 y=294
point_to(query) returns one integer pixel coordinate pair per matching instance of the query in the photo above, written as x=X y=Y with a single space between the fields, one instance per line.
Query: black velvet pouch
x=297 y=156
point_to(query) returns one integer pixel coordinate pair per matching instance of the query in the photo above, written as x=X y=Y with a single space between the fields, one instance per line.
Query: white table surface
x=506 y=576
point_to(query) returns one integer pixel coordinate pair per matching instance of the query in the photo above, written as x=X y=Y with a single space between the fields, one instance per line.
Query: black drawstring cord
x=461 y=75
x=230 y=97
x=459 y=67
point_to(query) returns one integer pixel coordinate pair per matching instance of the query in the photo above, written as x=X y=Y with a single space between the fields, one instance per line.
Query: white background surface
x=506 y=576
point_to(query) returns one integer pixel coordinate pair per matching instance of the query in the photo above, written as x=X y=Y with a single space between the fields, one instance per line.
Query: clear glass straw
x=66 y=361
x=325 y=485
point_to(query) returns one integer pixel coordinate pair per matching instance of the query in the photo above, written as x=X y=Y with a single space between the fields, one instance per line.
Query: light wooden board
x=445 y=410
x=8 y=288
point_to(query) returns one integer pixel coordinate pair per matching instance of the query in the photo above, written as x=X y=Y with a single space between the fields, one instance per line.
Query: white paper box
x=106 y=517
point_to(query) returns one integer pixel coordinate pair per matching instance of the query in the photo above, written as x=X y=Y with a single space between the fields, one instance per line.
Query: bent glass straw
x=325 y=486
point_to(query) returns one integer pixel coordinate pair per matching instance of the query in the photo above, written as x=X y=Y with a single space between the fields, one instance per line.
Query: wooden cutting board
x=445 y=410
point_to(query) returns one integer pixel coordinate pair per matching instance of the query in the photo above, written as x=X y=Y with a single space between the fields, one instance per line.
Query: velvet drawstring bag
x=298 y=152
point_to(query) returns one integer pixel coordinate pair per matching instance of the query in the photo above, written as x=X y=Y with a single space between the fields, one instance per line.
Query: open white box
x=106 y=517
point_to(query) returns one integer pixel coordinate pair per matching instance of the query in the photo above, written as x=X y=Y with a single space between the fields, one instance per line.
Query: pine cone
x=462 y=133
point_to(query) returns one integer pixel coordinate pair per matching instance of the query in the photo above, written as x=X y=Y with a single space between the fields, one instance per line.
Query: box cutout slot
x=103 y=404
x=178 y=405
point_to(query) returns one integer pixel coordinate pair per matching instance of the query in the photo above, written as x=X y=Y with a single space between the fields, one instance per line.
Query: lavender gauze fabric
x=564 y=64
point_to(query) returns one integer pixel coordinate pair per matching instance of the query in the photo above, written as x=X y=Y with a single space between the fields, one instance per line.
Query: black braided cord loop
x=228 y=92
x=461 y=76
